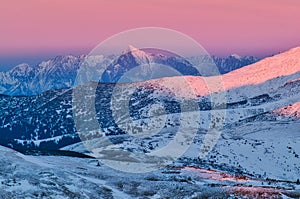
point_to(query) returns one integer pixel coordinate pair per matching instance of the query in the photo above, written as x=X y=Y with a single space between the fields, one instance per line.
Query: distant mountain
x=61 y=71
x=16 y=80
x=56 y=73
x=52 y=74
x=233 y=62
x=226 y=64
x=152 y=65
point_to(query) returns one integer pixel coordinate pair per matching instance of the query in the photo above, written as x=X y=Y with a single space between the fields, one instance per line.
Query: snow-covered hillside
x=24 y=176
x=292 y=110
x=251 y=95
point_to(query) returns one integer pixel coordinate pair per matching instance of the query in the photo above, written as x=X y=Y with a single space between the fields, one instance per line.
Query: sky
x=34 y=30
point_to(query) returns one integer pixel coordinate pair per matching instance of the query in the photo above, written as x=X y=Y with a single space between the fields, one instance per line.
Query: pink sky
x=254 y=27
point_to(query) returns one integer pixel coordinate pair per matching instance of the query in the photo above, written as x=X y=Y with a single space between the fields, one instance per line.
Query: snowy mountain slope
x=25 y=176
x=280 y=68
x=267 y=149
x=36 y=118
x=284 y=64
x=251 y=138
x=252 y=94
x=292 y=110
x=32 y=177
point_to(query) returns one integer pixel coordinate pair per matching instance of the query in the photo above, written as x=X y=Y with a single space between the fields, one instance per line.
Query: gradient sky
x=32 y=30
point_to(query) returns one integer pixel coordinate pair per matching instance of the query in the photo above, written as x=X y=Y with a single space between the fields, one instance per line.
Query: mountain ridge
x=61 y=71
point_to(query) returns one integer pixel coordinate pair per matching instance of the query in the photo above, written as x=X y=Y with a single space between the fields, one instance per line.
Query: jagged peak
x=21 y=67
x=135 y=51
x=236 y=56
x=140 y=55
x=131 y=48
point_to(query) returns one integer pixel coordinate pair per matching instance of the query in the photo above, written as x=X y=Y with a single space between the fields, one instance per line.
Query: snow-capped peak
x=131 y=48
x=21 y=70
x=22 y=67
x=236 y=56
x=139 y=55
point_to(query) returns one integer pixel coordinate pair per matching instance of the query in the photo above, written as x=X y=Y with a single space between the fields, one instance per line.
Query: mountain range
x=60 y=72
